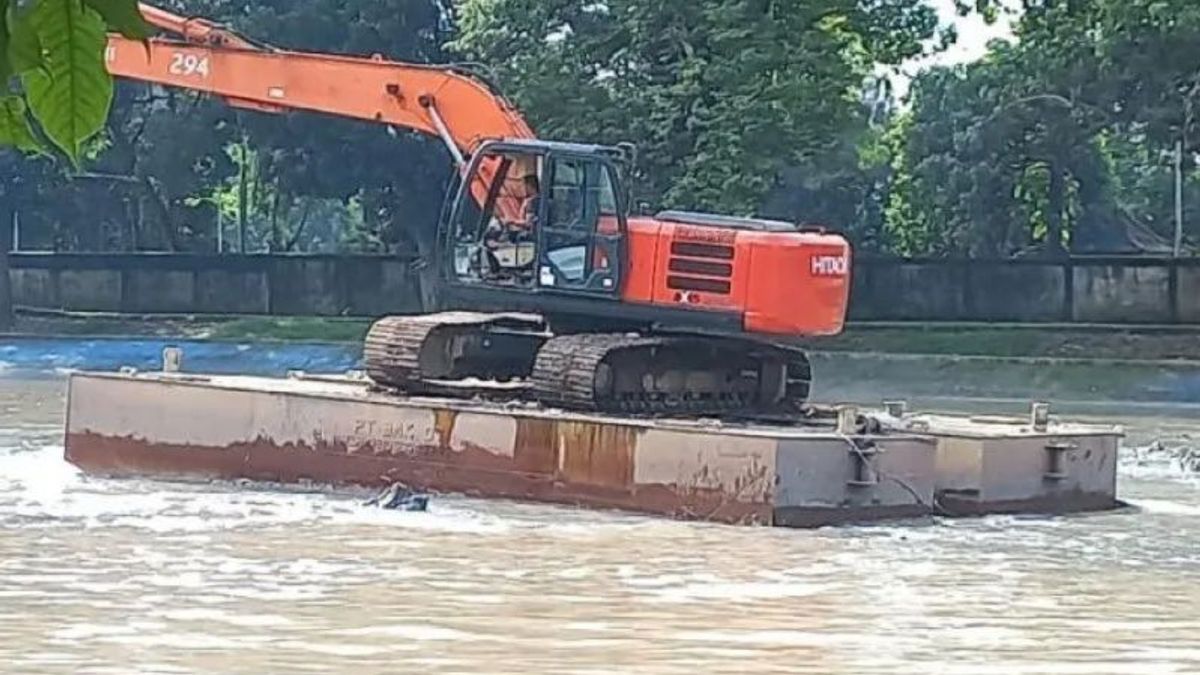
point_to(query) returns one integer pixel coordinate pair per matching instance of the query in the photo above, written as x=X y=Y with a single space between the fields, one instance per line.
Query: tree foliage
x=721 y=96
x=1060 y=140
x=165 y=171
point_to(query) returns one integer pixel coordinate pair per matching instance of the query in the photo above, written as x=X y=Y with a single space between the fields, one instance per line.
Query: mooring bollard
x=1040 y=416
x=172 y=360
x=847 y=420
x=1056 y=463
x=897 y=409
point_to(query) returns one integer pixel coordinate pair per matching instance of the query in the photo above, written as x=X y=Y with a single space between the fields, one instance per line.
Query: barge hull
x=337 y=432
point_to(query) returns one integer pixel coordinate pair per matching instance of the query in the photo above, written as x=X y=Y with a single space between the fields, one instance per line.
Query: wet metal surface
x=337 y=433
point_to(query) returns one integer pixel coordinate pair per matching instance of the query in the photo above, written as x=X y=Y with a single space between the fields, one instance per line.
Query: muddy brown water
x=100 y=576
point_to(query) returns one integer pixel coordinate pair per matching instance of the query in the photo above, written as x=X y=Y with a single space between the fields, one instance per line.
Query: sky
x=973 y=36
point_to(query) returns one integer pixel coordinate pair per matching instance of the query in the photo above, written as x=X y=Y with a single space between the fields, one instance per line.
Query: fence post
x=269 y=272
x=1173 y=289
x=1068 y=268
x=6 y=290
x=197 y=292
x=967 y=306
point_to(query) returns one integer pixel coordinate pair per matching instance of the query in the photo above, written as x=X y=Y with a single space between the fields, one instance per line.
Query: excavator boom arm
x=195 y=30
x=442 y=101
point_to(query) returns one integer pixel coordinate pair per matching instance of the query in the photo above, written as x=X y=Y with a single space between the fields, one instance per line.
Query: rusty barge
x=338 y=431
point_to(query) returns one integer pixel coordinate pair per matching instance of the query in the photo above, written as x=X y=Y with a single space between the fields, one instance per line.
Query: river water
x=100 y=576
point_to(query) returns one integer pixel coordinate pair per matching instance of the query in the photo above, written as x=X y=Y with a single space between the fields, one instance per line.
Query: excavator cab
x=537 y=217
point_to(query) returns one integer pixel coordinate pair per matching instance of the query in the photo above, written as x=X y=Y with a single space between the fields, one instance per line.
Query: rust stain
x=443 y=424
x=468 y=473
x=751 y=489
x=596 y=454
x=704 y=496
x=536 y=446
x=754 y=483
x=266 y=460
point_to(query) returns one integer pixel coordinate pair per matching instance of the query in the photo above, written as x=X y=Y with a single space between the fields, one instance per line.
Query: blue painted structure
x=49 y=355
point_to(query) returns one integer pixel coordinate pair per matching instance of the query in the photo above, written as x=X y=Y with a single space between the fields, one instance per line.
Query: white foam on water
x=1165 y=507
x=41 y=489
x=422 y=632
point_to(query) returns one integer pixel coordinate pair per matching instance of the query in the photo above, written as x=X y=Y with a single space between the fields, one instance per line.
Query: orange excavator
x=546 y=285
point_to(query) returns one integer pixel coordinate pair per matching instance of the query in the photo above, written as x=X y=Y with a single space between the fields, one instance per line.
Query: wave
x=1171 y=458
x=872 y=377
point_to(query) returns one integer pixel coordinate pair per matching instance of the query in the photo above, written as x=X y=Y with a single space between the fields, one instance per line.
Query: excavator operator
x=533 y=201
x=517 y=238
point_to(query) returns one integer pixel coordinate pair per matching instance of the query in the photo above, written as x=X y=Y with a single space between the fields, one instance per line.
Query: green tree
x=722 y=97
x=165 y=165
x=1057 y=140
x=989 y=158
x=397 y=177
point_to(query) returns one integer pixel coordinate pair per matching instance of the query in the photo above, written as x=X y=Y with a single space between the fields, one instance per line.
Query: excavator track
x=514 y=357
x=655 y=375
x=453 y=353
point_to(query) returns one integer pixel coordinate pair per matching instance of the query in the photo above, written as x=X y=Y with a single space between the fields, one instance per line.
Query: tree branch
x=108 y=177
x=295 y=238
x=1056 y=99
x=149 y=185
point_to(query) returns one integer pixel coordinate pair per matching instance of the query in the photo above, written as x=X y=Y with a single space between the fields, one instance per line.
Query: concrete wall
x=186 y=284
x=1080 y=290
x=1084 y=290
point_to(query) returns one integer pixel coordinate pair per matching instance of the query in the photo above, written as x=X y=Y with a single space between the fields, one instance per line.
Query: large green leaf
x=122 y=16
x=5 y=67
x=14 y=125
x=70 y=96
x=24 y=48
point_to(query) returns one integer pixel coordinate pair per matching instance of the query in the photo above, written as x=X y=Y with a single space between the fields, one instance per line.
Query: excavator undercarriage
x=518 y=356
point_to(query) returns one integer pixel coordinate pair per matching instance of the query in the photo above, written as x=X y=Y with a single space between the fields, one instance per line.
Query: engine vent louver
x=706 y=268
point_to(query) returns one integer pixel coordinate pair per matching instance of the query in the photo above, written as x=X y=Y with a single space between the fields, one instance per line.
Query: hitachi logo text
x=829 y=266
